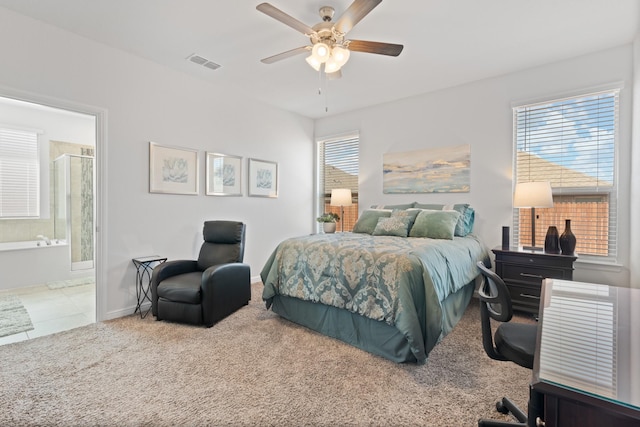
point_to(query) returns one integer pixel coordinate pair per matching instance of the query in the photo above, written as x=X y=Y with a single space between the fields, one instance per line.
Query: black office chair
x=514 y=342
x=205 y=290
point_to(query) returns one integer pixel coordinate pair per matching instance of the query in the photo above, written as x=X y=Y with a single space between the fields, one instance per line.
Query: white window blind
x=572 y=144
x=338 y=167
x=19 y=174
x=579 y=340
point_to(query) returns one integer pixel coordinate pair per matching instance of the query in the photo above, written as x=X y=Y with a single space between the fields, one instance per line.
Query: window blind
x=338 y=167
x=572 y=144
x=19 y=174
x=579 y=340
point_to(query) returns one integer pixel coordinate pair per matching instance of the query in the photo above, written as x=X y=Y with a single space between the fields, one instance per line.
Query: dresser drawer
x=525 y=273
x=526 y=298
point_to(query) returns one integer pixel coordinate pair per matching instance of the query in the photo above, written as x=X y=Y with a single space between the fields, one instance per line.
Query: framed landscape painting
x=263 y=178
x=223 y=175
x=435 y=170
x=173 y=170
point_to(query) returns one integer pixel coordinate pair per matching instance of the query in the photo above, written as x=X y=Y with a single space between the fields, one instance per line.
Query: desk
x=144 y=268
x=587 y=361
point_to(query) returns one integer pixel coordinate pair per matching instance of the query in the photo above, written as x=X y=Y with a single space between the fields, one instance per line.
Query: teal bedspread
x=397 y=280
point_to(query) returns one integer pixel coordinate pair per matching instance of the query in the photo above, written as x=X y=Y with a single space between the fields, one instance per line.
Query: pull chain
x=326 y=94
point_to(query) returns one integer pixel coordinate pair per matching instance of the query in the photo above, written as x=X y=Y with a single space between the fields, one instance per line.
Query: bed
x=393 y=296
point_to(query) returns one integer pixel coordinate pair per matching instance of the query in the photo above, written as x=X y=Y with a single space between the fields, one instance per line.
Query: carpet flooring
x=14 y=318
x=251 y=369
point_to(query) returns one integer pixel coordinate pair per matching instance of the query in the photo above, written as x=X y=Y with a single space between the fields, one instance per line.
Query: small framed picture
x=173 y=170
x=263 y=178
x=223 y=175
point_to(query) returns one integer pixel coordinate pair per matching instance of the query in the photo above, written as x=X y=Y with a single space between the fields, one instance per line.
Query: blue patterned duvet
x=397 y=280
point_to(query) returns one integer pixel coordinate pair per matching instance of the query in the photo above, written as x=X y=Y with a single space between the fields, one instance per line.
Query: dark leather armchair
x=205 y=290
x=514 y=342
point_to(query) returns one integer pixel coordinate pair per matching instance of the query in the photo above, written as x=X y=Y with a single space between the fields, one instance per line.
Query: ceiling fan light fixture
x=331 y=66
x=313 y=62
x=334 y=76
x=321 y=52
x=340 y=55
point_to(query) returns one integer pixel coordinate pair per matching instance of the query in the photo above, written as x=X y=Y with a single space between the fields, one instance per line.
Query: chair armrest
x=224 y=284
x=165 y=270
x=229 y=271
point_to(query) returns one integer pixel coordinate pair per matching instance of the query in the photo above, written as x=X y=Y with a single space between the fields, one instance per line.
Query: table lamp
x=533 y=195
x=341 y=197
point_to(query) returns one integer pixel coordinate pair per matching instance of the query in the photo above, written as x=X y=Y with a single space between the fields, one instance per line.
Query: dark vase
x=567 y=239
x=552 y=241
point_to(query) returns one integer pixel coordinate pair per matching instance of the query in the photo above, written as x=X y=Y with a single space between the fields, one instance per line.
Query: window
x=19 y=174
x=338 y=168
x=572 y=144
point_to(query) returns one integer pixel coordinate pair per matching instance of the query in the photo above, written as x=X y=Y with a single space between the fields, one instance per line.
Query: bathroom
x=54 y=244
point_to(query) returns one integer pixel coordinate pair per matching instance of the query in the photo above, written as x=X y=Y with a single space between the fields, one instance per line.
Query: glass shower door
x=75 y=207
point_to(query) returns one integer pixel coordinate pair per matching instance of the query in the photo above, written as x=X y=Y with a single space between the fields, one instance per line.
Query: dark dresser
x=523 y=272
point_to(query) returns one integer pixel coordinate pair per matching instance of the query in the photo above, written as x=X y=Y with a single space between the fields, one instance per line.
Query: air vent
x=197 y=59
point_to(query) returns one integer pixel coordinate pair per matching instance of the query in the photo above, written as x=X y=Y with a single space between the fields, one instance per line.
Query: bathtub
x=34 y=262
x=15 y=246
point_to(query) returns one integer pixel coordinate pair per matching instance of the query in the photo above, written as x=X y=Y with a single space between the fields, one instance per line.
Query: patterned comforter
x=397 y=280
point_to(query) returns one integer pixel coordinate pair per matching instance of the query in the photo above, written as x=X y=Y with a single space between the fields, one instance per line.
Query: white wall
x=141 y=102
x=634 y=257
x=480 y=114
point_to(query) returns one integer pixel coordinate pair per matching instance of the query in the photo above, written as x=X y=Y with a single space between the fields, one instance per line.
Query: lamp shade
x=533 y=195
x=340 y=55
x=341 y=197
x=321 y=52
x=313 y=61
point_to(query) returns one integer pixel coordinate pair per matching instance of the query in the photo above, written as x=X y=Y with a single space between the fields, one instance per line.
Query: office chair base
x=506 y=406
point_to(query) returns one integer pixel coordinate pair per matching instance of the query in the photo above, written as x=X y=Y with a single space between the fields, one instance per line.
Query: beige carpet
x=251 y=369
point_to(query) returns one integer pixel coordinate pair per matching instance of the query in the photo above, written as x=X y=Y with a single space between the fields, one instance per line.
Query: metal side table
x=144 y=268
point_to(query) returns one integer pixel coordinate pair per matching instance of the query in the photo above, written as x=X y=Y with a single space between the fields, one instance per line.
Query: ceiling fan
x=329 y=48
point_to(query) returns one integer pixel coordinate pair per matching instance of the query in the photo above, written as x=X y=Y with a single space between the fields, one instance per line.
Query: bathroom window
x=19 y=174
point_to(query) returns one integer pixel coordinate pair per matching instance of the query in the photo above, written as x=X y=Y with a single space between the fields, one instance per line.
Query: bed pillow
x=467 y=215
x=435 y=224
x=369 y=219
x=401 y=206
x=411 y=214
x=392 y=226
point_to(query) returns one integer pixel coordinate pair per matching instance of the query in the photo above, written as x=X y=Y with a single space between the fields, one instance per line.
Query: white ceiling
x=446 y=42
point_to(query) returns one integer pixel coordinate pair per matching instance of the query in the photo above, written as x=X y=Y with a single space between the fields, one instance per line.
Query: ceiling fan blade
x=354 y=14
x=285 y=55
x=279 y=15
x=375 y=47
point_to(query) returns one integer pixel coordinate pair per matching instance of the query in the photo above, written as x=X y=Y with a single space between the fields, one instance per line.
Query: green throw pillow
x=467 y=215
x=411 y=214
x=401 y=206
x=435 y=224
x=369 y=219
x=393 y=226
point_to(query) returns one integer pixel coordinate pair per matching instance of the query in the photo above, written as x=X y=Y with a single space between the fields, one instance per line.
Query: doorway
x=58 y=289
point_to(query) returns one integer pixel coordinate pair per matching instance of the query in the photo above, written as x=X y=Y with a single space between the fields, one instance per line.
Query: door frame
x=100 y=216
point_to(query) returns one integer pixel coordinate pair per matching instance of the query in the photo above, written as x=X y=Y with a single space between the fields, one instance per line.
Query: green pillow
x=369 y=219
x=467 y=215
x=393 y=226
x=435 y=224
x=432 y=206
x=401 y=206
x=411 y=214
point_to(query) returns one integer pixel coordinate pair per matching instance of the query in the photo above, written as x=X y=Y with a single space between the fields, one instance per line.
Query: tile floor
x=54 y=310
